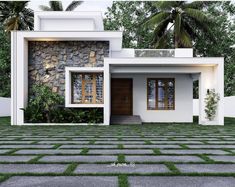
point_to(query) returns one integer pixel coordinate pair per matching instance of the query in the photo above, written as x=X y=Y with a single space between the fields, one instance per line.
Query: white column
x=219 y=88
x=106 y=93
x=211 y=78
x=22 y=78
x=13 y=77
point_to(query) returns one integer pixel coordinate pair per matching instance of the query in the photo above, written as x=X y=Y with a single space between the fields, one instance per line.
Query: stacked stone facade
x=48 y=59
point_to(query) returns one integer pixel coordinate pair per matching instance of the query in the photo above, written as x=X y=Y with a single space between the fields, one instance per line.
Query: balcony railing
x=154 y=53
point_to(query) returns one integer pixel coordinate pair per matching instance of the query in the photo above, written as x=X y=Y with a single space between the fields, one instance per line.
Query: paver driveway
x=130 y=155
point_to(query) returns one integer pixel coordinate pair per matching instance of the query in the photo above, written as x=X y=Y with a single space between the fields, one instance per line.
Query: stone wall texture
x=47 y=60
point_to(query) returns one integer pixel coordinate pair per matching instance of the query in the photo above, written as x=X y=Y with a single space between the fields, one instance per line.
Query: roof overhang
x=114 y=37
x=161 y=65
x=165 y=61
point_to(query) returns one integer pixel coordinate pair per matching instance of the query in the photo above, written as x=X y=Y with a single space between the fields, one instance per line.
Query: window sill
x=84 y=105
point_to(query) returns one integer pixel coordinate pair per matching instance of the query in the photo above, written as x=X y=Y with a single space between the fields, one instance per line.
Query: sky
x=87 y=5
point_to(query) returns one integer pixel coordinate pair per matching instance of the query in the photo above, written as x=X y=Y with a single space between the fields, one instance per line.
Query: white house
x=73 y=54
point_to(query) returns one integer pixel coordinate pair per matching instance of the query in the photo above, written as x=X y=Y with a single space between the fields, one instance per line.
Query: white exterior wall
x=229 y=109
x=209 y=71
x=183 y=52
x=183 y=98
x=68 y=21
x=229 y=105
x=5 y=106
x=67 y=24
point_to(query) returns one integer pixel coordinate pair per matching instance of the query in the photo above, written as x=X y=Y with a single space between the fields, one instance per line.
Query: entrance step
x=125 y=120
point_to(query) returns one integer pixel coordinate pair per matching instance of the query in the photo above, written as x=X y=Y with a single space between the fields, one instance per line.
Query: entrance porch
x=154 y=103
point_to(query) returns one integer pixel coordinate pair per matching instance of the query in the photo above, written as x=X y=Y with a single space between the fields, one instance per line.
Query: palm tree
x=185 y=19
x=15 y=16
x=57 y=6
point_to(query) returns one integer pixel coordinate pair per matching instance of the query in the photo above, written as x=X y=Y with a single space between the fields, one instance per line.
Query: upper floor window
x=87 y=88
x=161 y=94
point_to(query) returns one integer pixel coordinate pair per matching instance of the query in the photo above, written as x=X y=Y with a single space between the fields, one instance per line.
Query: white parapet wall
x=229 y=106
x=5 y=106
x=229 y=109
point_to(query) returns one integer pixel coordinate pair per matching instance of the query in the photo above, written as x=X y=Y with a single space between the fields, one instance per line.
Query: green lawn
x=152 y=138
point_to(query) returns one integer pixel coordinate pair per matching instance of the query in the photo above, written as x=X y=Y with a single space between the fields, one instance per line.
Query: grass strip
x=56 y=146
x=206 y=158
x=121 y=158
x=35 y=159
x=12 y=151
x=91 y=142
x=34 y=142
x=147 y=142
x=123 y=181
x=119 y=138
x=4 y=178
x=172 y=167
x=120 y=146
x=157 y=151
x=84 y=151
x=70 y=169
x=184 y=146
x=228 y=150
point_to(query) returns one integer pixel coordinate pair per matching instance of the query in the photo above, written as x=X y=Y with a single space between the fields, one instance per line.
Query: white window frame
x=68 y=85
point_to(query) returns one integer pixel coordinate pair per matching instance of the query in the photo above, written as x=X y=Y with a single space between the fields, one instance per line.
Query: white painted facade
x=88 y=26
x=208 y=70
x=5 y=106
x=183 y=97
x=229 y=104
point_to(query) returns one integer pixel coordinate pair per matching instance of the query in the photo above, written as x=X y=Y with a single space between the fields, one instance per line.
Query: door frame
x=131 y=95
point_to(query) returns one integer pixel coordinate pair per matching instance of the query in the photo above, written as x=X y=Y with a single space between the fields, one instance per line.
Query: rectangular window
x=160 y=94
x=87 y=88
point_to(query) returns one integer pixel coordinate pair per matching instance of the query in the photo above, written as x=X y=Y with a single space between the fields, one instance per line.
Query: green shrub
x=211 y=101
x=44 y=106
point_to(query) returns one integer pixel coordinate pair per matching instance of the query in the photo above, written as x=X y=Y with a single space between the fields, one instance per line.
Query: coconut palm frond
x=196 y=14
x=156 y=19
x=185 y=39
x=12 y=24
x=161 y=28
x=195 y=5
x=44 y=8
x=73 y=5
x=165 y=5
x=161 y=43
x=178 y=24
x=15 y=16
x=56 y=5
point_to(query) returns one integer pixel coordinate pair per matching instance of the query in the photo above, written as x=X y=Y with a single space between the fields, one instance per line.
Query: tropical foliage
x=223 y=14
x=180 y=15
x=217 y=41
x=5 y=61
x=211 y=101
x=127 y=16
x=57 y=6
x=15 y=15
x=44 y=106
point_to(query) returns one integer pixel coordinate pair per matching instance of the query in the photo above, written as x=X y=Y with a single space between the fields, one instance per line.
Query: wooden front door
x=121 y=96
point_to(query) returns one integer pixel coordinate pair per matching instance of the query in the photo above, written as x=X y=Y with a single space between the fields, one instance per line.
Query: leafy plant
x=5 y=64
x=16 y=16
x=95 y=116
x=180 y=15
x=57 y=6
x=127 y=17
x=44 y=106
x=211 y=100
